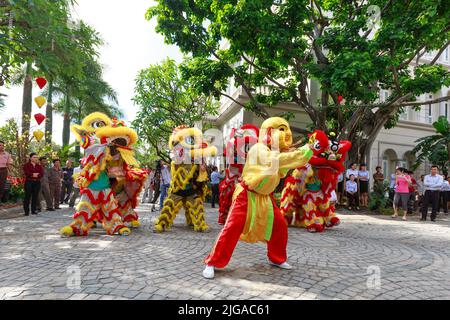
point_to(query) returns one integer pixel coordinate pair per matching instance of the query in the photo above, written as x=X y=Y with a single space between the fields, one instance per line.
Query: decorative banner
x=41 y=82
x=38 y=134
x=39 y=118
x=40 y=101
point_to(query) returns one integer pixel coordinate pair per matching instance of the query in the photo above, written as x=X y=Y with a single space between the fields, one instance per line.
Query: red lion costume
x=305 y=199
x=241 y=140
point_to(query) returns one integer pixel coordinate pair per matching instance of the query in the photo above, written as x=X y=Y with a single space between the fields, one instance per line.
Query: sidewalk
x=10 y=211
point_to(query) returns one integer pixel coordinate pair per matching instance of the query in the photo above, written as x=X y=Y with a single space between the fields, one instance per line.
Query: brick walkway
x=411 y=259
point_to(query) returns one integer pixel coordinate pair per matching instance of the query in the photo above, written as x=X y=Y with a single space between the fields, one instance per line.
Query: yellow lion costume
x=188 y=186
x=107 y=168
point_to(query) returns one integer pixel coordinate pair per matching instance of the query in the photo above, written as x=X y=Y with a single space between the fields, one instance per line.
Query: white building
x=391 y=148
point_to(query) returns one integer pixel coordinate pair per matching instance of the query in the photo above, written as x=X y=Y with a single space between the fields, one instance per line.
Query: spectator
x=363 y=179
x=378 y=178
x=432 y=185
x=401 y=196
x=76 y=187
x=5 y=167
x=351 y=188
x=33 y=173
x=45 y=187
x=412 y=191
x=156 y=183
x=148 y=188
x=392 y=178
x=340 y=188
x=444 y=196
x=67 y=183
x=165 y=183
x=420 y=191
x=352 y=170
x=215 y=181
x=54 y=179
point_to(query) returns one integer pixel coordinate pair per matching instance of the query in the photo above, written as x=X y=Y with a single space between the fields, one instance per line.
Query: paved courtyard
x=366 y=257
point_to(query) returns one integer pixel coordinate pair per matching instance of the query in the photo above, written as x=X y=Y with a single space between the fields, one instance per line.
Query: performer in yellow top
x=254 y=215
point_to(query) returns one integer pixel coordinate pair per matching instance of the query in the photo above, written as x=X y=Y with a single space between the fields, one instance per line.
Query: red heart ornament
x=39 y=118
x=41 y=82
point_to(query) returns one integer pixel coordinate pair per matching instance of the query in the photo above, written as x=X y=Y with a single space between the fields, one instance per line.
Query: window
x=446 y=55
x=385 y=166
x=404 y=114
x=429 y=111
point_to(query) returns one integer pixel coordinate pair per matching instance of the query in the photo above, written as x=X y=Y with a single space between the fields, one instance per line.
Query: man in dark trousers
x=67 y=183
x=33 y=174
x=215 y=181
x=432 y=184
x=45 y=188
x=55 y=176
x=5 y=166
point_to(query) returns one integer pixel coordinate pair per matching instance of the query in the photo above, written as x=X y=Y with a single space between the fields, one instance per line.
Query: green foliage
x=166 y=101
x=435 y=148
x=256 y=43
x=378 y=199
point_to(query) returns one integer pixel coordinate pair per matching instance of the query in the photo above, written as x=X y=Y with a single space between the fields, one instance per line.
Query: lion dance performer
x=254 y=215
x=241 y=140
x=108 y=151
x=305 y=200
x=188 y=187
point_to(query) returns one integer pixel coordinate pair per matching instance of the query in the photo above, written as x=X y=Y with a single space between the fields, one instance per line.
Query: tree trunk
x=77 y=147
x=66 y=123
x=49 y=115
x=27 y=101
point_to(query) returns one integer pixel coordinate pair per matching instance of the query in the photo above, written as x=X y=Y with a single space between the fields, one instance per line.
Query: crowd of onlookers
x=49 y=181
x=45 y=180
x=404 y=192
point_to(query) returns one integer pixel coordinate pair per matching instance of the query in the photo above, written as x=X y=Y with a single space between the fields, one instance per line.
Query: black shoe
x=50 y=209
x=433 y=220
x=27 y=214
x=35 y=213
x=423 y=219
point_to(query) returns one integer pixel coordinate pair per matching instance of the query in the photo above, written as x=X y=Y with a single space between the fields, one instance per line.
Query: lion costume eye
x=317 y=145
x=98 y=124
x=190 y=140
x=334 y=146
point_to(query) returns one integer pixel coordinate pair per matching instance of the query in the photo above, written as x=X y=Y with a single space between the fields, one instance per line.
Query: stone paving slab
x=366 y=257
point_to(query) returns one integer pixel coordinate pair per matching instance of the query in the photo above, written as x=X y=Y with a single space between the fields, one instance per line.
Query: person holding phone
x=33 y=174
x=401 y=196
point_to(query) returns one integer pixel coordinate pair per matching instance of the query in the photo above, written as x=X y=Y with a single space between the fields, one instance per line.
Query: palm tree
x=435 y=148
x=80 y=98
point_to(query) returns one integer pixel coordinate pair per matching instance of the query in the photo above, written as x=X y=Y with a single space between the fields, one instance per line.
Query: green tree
x=290 y=46
x=435 y=148
x=40 y=35
x=165 y=101
x=78 y=98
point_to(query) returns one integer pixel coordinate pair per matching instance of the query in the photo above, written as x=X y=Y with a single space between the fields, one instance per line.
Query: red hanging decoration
x=41 y=82
x=340 y=98
x=39 y=118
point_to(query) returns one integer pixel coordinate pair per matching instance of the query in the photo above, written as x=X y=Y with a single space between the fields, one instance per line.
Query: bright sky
x=131 y=45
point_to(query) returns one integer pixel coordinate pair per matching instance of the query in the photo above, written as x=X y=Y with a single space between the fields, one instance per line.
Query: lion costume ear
x=267 y=139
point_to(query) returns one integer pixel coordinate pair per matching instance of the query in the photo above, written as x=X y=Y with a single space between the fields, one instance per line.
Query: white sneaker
x=283 y=265
x=208 y=273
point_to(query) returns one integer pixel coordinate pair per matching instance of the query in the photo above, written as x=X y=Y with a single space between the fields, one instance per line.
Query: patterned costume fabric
x=241 y=140
x=254 y=215
x=108 y=163
x=188 y=187
x=305 y=200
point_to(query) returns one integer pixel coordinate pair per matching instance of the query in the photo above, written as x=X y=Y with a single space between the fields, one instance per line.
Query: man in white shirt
x=432 y=185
